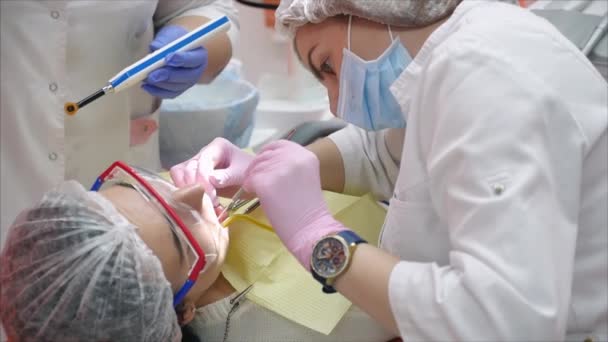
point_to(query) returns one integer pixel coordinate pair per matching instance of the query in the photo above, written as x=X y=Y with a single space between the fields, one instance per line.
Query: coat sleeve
x=504 y=162
x=167 y=10
x=371 y=160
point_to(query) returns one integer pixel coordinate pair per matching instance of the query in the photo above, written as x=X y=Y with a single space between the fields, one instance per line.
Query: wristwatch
x=331 y=257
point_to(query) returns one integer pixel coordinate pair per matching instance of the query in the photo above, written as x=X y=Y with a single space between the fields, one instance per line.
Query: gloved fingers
x=202 y=170
x=158 y=92
x=223 y=178
x=195 y=172
x=177 y=175
x=202 y=165
x=226 y=177
x=228 y=192
x=264 y=159
x=214 y=160
x=159 y=75
x=218 y=152
x=186 y=172
x=289 y=154
x=263 y=171
x=254 y=181
x=229 y=163
x=180 y=171
x=212 y=156
x=166 y=35
x=174 y=87
x=157 y=44
x=177 y=75
x=188 y=59
x=279 y=144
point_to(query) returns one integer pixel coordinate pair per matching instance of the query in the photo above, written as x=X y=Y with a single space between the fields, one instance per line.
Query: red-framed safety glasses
x=180 y=216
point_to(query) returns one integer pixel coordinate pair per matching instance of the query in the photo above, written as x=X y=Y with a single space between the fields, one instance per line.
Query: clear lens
x=189 y=216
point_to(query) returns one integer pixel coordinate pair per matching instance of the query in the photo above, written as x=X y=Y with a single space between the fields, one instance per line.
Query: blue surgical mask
x=365 y=98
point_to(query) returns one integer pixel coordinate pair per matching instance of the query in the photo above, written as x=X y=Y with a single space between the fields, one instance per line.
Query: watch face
x=329 y=257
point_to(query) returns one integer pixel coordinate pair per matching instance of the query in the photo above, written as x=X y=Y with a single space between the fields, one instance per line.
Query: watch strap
x=351 y=238
x=326 y=288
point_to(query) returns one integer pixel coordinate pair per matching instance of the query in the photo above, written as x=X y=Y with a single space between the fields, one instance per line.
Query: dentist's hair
x=292 y=14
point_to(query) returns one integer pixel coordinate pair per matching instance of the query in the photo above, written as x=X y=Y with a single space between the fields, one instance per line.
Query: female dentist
x=497 y=226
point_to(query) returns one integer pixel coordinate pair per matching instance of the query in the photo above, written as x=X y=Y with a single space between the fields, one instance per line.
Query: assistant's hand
x=182 y=69
x=219 y=165
x=285 y=177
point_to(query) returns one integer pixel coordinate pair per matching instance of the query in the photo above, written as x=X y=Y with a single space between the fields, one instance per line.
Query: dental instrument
x=237 y=201
x=139 y=70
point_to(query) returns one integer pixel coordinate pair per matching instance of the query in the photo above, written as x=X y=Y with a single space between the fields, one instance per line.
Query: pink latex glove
x=285 y=177
x=218 y=165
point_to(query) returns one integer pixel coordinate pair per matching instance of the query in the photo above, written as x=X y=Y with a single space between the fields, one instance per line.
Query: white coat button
x=53 y=156
x=53 y=87
x=54 y=14
x=498 y=189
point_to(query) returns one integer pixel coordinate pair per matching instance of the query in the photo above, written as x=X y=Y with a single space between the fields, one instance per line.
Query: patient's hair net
x=74 y=269
x=292 y=14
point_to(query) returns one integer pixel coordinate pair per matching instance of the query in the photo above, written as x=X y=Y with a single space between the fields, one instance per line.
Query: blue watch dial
x=329 y=257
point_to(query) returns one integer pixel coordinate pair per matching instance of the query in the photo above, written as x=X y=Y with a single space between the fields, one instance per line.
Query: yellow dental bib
x=257 y=256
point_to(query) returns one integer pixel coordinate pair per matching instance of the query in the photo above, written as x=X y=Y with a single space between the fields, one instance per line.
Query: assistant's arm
x=193 y=13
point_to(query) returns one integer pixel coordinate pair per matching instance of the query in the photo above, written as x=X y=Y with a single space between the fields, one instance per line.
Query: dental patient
x=135 y=261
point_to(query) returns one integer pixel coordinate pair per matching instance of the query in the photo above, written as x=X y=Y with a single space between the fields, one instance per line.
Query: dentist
x=497 y=226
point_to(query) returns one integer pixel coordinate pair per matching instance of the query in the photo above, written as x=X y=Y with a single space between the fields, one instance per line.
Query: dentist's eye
x=327 y=68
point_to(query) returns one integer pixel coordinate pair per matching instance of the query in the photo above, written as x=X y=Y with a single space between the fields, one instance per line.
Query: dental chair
x=306 y=133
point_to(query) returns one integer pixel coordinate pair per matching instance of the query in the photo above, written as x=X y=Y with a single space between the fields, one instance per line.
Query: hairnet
x=74 y=269
x=292 y=14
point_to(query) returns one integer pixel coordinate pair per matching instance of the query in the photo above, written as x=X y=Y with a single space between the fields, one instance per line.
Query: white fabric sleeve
x=167 y=10
x=504 y=175
x=369 y=165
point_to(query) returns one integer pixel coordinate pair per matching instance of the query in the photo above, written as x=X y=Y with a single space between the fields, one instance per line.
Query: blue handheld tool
x=139 y=70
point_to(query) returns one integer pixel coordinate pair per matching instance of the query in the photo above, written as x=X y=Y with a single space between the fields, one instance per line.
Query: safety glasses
x=159 y=192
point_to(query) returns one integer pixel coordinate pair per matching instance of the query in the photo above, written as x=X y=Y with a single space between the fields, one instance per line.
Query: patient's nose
x=194 y=197
x=191 y=195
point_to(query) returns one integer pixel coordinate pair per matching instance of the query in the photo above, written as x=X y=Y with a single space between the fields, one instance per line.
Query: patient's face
x=156 y=231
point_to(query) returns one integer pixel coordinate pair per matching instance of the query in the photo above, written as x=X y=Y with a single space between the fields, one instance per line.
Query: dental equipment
x=139 y=70
x=237 y=201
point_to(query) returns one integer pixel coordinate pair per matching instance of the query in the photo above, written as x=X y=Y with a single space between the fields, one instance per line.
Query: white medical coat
x=499 y=210
x=58 y=51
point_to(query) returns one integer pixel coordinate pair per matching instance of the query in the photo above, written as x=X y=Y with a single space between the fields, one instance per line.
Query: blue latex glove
x=182 y=69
